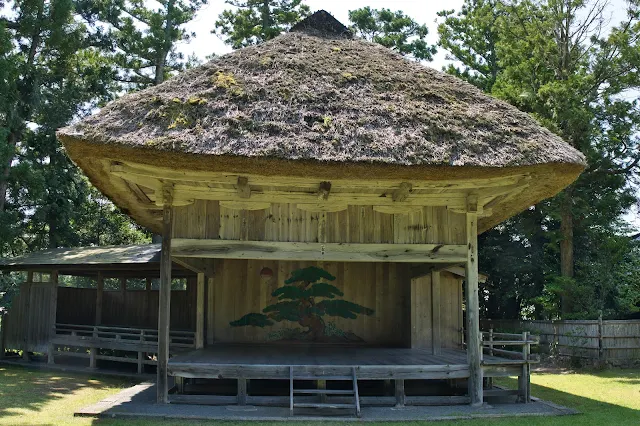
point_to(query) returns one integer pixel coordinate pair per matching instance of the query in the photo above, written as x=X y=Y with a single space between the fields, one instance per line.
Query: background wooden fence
x=613 y=341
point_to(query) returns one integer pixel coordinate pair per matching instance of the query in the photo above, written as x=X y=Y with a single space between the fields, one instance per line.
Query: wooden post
x=472 y=304
x=141 y=354
x=3 y=327
x=27 y=316
x=99 y=296
x=436 y=342
x=200 y=312
x=147 y=299
x=400 y=396
x=242 y=391
x=164 y=308
x=524 y=378
x=491 y=341
x=210 y=311
x=600 y=339
x=93 y=352
x=53 y=306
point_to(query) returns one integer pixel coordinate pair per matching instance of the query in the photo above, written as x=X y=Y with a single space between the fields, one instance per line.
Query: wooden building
x=322 y=185
x=88 y=302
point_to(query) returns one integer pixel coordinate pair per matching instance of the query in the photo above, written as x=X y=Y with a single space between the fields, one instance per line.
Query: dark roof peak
x=323 y=24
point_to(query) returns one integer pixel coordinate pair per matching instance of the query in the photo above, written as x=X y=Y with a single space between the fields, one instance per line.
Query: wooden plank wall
x=422 y=320
x=285 y=222
x=133 y=308
x=76 y=305
x=35 y=327
x=238 y=289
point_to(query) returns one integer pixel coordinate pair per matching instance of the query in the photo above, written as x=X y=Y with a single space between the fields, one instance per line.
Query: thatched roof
x=318 y=101
x=303 y=96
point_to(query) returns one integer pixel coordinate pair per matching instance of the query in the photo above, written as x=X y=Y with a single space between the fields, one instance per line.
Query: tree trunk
x=566 y=244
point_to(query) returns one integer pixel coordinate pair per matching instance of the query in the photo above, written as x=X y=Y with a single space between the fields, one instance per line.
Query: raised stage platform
x=233 y=361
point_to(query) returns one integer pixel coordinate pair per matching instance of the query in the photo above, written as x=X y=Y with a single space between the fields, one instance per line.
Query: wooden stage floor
x=275 y=361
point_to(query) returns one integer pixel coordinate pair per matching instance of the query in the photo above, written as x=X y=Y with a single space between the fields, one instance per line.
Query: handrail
x=496 y=343
x=178 y=338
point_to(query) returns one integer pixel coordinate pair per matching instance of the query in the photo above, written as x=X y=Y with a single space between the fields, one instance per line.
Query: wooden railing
x=120 y=339
x=501 y=344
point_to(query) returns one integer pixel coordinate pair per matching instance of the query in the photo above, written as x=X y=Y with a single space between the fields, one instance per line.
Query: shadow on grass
x=32 y=392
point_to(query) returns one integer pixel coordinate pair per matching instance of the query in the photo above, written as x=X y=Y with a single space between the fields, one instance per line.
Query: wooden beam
x=164 y=308
x=200 y=312
x=324 y=190
x=436 y=342
x=474 y=351
x=198 y=266
x=242 y=186
x=53 y=305
x=311 y=182
x=402 y=193
x=337 y=252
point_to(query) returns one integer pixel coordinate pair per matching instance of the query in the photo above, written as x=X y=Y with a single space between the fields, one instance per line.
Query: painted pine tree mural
x=306 y=299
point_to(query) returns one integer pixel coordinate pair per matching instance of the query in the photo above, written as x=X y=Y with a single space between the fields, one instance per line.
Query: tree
x=554 y=60
x=256 y=21
x=298 y=302
x=143 y=40
x=394 y=30
x=471 y=39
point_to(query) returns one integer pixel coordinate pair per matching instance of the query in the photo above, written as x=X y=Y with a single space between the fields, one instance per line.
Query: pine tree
x=394 y=30
x=256 y=21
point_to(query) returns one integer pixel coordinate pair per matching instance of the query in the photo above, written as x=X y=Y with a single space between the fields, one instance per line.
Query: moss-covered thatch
x=318 y=101
x=307 y=97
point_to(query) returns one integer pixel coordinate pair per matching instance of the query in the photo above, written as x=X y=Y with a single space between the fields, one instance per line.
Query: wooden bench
x=127 y=339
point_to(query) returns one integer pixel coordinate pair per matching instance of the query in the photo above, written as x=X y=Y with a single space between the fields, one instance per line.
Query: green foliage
x=53 y=69
x=471 y=38
x=394 y=30
x=555 y=60
x=144 y=38
x=298 y=302
x=255 y=21
x=255 y=320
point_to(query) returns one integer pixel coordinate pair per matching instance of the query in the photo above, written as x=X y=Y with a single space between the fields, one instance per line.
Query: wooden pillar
x=164 y=305
x=436 y=341
x=99 y=295
x=200 y=312
x=53 y=307
x=472 y=305
x=210 y=311
x=26 y=319
x=147 y=303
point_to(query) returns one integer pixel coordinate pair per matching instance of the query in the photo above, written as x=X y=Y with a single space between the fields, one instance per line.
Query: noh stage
x=330 y=375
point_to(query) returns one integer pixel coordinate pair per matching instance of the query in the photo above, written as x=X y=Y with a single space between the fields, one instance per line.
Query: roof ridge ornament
x=323 y=24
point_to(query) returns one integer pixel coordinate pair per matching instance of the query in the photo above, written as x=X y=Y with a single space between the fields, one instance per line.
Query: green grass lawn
x=30 y=397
